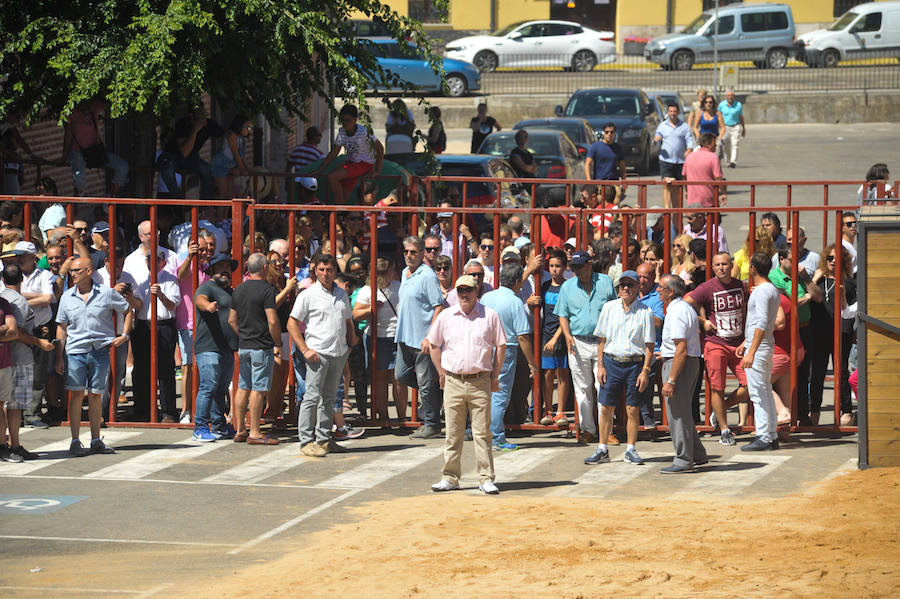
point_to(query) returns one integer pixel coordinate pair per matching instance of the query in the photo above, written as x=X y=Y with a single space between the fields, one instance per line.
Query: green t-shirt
x=782 y=281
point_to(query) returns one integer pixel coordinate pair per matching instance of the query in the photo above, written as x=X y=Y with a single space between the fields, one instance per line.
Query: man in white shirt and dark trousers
x=680 y=351
x=756 y=353
x=625 y=339
x=325 y=345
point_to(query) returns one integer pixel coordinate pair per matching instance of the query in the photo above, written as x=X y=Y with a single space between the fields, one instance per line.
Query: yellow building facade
x=642 y=18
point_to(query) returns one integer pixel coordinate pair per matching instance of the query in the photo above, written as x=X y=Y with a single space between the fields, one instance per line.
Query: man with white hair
x=476 y=269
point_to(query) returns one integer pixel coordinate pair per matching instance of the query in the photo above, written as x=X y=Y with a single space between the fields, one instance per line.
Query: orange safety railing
x=241 y=209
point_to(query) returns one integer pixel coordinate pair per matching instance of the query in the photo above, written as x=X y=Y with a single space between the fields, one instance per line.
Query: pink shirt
x=184 y=311
x=467 y=342
x=701 y=165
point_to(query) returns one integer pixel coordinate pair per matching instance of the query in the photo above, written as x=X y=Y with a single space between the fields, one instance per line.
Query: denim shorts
x=186 y=346
x=256 y=369
x=88 y=372
x=387 y=353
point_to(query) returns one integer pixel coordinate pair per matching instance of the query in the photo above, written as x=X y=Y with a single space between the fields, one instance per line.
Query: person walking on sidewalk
x=467 y=345
x=325 y=345
x=733 y=113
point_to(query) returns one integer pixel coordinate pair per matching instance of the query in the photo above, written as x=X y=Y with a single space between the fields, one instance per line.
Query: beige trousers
x=472 y=396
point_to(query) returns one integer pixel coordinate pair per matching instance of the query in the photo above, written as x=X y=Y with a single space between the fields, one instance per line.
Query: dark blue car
x=633 y=113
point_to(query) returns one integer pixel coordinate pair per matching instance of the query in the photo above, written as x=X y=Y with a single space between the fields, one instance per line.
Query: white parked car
x=529 y=44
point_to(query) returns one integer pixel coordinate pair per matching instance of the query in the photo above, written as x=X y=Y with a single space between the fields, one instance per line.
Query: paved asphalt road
x=165 y=511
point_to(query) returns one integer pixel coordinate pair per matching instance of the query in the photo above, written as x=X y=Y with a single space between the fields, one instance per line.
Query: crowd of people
x=611 y=325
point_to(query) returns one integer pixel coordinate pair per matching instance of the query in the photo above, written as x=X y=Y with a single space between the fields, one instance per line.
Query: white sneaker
x=489 y=488
x=185 y=418
x=444 y=485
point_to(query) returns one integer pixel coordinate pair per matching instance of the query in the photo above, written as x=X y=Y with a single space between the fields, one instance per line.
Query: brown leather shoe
x=241 y=437
x=262 y=441
x=613 y=440
x=168 y=420
x=587 y=438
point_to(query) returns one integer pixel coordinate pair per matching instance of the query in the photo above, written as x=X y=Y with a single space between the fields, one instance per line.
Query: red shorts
x=781 y=362
x=353 y=171
x=718 y=359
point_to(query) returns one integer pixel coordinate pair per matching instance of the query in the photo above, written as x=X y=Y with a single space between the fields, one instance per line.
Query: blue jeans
x=215 y=370
x=500 y=398
x=299 y=374
x=415 y=369
x=167 y=164
x=79 y=166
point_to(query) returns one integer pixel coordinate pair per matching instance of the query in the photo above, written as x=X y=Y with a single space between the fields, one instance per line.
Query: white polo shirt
x=40 y=281
x=325 y=314
x=681 y=323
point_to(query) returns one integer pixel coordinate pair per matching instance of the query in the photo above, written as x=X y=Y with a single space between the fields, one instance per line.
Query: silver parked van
x=870 y=30
x=762 y=33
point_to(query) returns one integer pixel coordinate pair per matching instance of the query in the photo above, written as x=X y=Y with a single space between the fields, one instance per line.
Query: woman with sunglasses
x=709 y=120
x=682 y=265
x=822 y=323
x=443 y=267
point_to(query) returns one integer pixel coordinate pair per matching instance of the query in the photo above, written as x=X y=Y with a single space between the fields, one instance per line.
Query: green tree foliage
x=151 y=56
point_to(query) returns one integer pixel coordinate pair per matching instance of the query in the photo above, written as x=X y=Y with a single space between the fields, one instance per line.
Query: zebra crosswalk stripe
x=733 y=475
x=262 y=467
x=61 y=448
x=382 y=469
x=151 y=462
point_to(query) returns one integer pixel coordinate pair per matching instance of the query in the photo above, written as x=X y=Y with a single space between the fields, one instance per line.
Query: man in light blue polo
x=517 y=326
x=420 y=302
x=578 y=307
x=733 y=114
x=86 y=330
x=677 y=142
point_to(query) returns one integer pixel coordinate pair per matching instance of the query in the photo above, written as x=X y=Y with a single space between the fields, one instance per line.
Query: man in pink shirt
x=703 y=165
x=467 y=347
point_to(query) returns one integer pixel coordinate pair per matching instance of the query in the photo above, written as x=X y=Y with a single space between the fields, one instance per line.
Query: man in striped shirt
x=307 y=152
x=625 y=338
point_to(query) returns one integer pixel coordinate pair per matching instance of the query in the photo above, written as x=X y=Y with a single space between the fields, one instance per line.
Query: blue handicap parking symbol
x=34 y=504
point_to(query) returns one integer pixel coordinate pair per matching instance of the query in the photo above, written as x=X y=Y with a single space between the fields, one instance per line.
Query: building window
x=711 y=4
x=842 y=6
x=425 y=11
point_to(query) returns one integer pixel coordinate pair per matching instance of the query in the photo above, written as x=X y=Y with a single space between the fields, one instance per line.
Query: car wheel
x=830 y=58
x=485 y=61
x=682 y=60
x=776 y=58
x=456 y=86
x=583 y=61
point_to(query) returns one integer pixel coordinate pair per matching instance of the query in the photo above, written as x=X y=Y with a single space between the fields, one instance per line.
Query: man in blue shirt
x=420 y=302
x=733 y=114
x=677 y=142
x=580 y=301
x=85 y=331
x=605 y=160
x=517 y=326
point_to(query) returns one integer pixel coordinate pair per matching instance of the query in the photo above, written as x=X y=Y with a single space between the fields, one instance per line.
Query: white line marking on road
x=510 y=465
x=123 y=541
x=260 y=468
x=733 y=475
x=61 y=447
x=291 y=523
x=178 y=482
x=381 y=469
x=608 y=477
x=155 y=460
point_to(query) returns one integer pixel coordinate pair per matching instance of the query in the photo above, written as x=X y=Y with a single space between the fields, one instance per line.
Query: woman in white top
x=386 y=302
x=230 y=160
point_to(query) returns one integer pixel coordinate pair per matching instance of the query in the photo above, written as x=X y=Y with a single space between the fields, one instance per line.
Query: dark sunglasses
x=410 y=251
x=830 y=259
x=465 y=289
x=432 y=250
x=487 y=247
x=627 y=284
x=441 y=268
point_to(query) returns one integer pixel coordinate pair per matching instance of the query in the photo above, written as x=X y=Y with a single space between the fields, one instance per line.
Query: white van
x=870 y=30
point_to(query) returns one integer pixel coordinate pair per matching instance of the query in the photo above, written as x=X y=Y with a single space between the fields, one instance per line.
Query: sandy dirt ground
x=839 y=537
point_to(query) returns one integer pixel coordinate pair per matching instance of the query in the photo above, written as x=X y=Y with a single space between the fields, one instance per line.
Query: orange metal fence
x=632 y=218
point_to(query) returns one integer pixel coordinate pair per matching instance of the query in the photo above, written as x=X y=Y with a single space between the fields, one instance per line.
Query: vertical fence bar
x=113 y=351
x=373 y=322
x=292 y=272
x=195 y=282
x=825 y=217
x=237 y=252
x=154 y=325
x=794 y=220
x=456 y=263
x=837 y=359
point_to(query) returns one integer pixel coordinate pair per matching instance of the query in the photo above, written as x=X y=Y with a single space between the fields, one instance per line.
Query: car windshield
x=574 y=130
x=696 y=24
x=508 y=28
x=539 y=145
x=844 y=21
x=599 y=104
